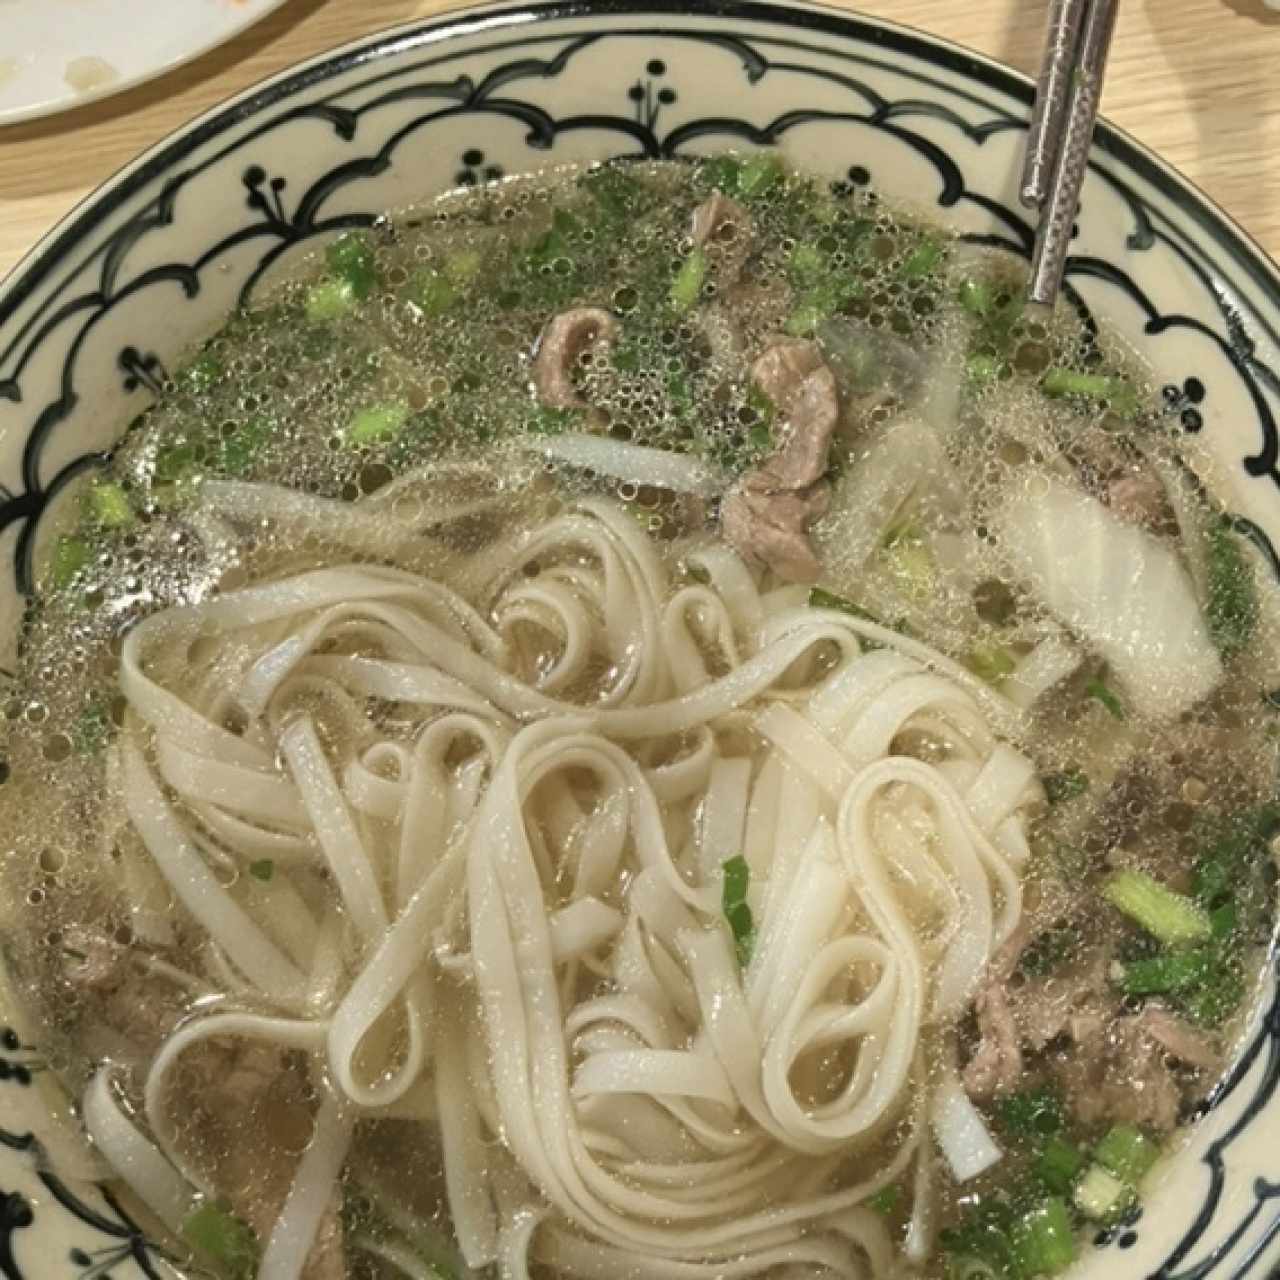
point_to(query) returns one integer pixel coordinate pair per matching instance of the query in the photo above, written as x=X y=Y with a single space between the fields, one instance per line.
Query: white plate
x=58 y=54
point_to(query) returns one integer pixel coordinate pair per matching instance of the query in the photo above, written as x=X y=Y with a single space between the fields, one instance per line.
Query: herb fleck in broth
x=657 y=704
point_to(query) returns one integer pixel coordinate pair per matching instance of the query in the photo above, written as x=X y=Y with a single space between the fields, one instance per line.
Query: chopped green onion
x=819 y=302
x=262 y=869
x=887 y=1199
x=1212 y=877
x=679 y=391
x=70 y=557
x=1032 y=1113
x=173 y=463
x=1070 y=861
x=238 y=451
x=1049 y=950
x=991 y=662
x=1176 y=970
x=1232 y=607
x=807 y=265
x=997 y=311
x=762 y=408
x=1057 y=1164
x=432 y=292
x=911 y=562
x=1172 y=917
x=1095 y=688
x=742 y=925
x=922 y=260
x=1102 y=1196
x=977 y=297
x=1000 y=325
x=969 y=1266
x=1232 y=839
x=1044 y=1242
x=737 y=876
x=328 y=299
x=350 y=258
x=1210 y=1004
x=688 y=282
x=819 y=598
x=376 y=423
x=107 y=504
x=551 y=422
x=201 y=373
x=904 y=529
x=983 y=1237
x=554 y=243
x=93 y=727
x=223 y=1241
x=805 y=318
x=1117 y=392
x=1223 y=921
x=721 y=173
x=1127 y=1152
x=983 y=370
x=617 y=192
x=758 y=173
x=463 y=265
x=733 y=900
x=1064 y=785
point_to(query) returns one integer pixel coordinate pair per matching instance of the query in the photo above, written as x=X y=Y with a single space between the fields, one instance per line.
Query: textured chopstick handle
x=1048 y=115
x=1053 y=236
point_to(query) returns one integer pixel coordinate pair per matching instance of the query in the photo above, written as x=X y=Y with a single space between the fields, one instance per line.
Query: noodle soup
x=644 y=722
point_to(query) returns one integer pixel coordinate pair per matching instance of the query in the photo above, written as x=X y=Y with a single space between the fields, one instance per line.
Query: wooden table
x=1194 y=79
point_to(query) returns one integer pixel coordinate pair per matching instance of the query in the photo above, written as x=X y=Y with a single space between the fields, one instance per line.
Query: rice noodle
x=445 y=883
x=136 y=1160
x=636 y=463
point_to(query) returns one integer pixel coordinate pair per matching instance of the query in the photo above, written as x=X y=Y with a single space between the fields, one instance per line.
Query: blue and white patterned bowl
x=90 y=322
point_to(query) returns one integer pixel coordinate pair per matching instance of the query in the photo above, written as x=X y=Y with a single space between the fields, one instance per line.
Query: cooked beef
x=1177 y=1038
x=260 y=1085
x=768 y=302
x=94 y=961
x=767 y=516
x=563 y=340
x=1139 y=496
x=246 y=1074
x=782 y=367
x=1077 y=994
x=1112 y=1067
x=769 y=527
x=722 y=227
x=811 y=419
x=1120 y=1075
x=1122 y=478
x=996 y=1065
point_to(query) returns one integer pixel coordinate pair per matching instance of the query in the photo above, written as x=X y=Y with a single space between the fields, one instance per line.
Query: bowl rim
x=1210 y=218
x=971 y=68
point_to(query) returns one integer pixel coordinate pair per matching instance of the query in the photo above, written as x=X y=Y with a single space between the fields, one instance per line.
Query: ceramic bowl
x=107 y=303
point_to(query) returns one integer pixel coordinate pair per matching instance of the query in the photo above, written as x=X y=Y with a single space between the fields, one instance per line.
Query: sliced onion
x=636 y=463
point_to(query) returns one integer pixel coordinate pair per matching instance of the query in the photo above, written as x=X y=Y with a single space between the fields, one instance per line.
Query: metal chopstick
x=1066 y=17
x=1071 y=157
